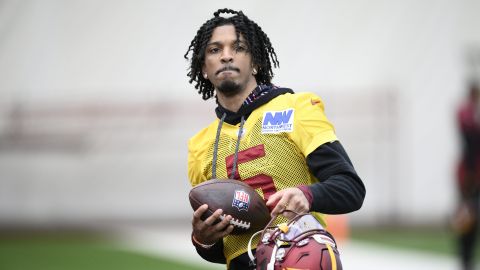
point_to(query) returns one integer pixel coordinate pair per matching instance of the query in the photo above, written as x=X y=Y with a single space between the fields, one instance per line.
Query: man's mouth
x=227 y=68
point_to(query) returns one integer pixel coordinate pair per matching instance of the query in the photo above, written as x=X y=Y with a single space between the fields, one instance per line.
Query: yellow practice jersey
x=275 y=140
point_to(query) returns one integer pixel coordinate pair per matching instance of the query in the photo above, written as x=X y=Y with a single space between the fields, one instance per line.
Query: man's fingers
x=225 y=222
x=228 y=230
x=213 y=227
x=199 y=212
x=223 y=225
x=273 y=199
x=213 y=218
x=281 y=205
x=279 y=202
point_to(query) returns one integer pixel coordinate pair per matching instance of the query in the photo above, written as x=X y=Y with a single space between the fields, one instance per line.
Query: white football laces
x=237 y=223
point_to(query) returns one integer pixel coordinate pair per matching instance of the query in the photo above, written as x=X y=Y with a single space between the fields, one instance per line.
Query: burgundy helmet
x=300 y=244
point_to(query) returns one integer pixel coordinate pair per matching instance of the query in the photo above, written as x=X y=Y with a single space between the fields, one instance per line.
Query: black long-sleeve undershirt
x=339 y=190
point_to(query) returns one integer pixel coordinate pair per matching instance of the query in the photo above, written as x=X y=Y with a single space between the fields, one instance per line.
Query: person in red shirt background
x=468 y=176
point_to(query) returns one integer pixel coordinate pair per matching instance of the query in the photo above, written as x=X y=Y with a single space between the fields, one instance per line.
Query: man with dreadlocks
x=277 y=141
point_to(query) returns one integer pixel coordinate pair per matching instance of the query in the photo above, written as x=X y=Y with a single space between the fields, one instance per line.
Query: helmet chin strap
x=271 y=264
x=250 y=253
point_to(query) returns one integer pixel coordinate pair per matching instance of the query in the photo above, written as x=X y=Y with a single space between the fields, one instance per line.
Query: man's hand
x=288 y=199
x=206 y=232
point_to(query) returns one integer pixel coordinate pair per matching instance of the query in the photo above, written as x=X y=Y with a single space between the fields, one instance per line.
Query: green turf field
x=75 y=252
x=54 y=251
x=436 y=240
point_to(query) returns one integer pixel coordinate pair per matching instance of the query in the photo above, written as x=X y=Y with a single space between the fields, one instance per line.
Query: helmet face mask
x=300 y=244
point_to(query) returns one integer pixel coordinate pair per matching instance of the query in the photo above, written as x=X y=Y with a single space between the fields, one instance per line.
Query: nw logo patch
x=276 y=122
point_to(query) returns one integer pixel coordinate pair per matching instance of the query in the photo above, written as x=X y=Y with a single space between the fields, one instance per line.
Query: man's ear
x=204 y=73
x=254 y=69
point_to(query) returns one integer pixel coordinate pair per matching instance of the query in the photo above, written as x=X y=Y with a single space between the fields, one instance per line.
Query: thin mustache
x=227 y=68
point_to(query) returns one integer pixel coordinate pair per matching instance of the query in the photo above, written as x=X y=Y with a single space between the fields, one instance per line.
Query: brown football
x=235 y=198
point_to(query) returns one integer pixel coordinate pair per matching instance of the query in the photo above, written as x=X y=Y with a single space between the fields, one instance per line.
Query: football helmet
x=302 y=243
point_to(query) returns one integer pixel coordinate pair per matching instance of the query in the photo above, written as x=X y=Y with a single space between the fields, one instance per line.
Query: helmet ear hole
x=307 y=247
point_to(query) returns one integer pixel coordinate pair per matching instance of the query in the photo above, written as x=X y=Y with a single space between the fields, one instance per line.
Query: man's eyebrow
x=217 y=43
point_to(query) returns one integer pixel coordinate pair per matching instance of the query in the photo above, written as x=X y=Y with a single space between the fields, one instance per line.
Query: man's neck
x=233 y=103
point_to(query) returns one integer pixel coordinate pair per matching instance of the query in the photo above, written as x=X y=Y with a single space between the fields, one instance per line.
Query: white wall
x=82 y=52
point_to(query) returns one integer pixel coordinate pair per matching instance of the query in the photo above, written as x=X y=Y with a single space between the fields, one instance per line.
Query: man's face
x=228 y=62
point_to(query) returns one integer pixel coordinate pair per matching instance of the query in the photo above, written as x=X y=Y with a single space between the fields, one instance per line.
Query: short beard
x=229 y=88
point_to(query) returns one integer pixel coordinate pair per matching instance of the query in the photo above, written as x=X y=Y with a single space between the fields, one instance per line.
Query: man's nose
x=227 y=56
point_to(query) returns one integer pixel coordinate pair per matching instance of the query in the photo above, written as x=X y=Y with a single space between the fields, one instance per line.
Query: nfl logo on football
x=241 y=200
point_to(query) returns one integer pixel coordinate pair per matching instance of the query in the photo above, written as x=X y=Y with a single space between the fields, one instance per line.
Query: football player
x=277 y=141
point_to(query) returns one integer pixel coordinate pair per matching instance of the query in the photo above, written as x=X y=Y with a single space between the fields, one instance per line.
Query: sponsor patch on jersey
x=241 y=200
x=277 y=121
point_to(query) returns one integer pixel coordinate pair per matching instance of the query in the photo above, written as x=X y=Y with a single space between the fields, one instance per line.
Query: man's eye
x=213 y=50
x=240 y=48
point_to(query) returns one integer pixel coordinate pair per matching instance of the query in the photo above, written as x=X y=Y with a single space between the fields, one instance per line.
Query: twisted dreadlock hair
x=263 y=54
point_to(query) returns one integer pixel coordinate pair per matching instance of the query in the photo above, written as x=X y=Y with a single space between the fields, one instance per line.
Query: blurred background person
x=468 y=176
